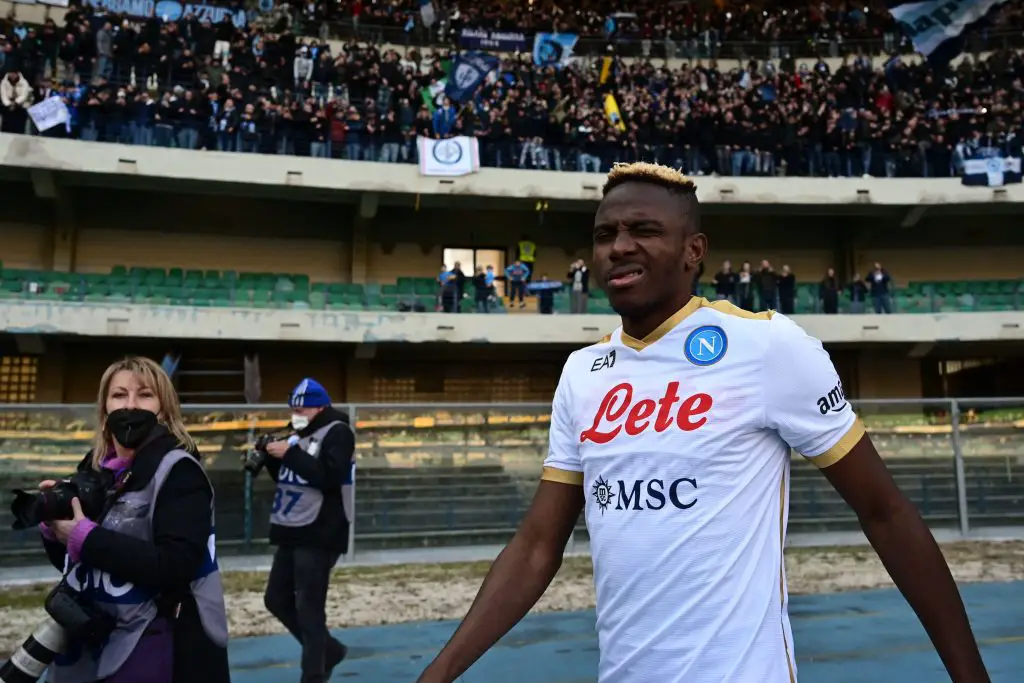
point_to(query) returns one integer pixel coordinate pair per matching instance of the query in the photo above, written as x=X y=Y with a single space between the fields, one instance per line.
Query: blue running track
x=856 y=637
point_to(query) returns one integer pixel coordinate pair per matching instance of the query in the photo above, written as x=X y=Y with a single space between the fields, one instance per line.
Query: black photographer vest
x=134 y=607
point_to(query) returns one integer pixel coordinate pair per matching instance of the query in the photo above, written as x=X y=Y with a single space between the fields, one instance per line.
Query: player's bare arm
x=517 y=579
x=910 y=554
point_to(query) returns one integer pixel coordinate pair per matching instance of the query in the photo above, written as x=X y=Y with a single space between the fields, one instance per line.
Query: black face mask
x=130 y=426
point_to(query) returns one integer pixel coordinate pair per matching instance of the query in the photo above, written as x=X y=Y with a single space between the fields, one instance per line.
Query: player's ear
x=695 y=249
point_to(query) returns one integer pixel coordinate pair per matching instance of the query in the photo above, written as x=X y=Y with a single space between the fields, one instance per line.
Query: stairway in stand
x=215 y=379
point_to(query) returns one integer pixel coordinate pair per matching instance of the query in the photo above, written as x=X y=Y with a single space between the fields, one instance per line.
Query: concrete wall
x=265 y=173
x=69 y=370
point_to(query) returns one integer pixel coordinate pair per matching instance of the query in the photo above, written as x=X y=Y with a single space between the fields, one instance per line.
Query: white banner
x=49 y=113
x=449 y=157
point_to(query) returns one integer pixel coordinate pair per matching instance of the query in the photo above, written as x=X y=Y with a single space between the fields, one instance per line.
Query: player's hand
x=47 y=484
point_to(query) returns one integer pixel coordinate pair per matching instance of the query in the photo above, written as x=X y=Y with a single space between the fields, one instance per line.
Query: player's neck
x=639 y=327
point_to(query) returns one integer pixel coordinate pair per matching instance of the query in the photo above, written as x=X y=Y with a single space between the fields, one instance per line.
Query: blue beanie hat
x=309 y=394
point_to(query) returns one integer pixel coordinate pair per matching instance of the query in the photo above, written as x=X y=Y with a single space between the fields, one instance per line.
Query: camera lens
x=27 y=509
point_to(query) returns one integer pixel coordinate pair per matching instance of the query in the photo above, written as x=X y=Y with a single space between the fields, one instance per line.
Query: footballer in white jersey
x=673 y=434
x=681 y=442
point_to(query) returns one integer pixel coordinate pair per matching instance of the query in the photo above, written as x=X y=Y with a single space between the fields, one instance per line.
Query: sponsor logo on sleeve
x=834 y=401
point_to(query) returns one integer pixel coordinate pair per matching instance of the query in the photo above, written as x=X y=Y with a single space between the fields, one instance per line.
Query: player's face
x=645 y=250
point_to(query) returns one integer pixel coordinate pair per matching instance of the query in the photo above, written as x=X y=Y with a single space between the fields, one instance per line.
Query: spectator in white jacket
x=303 y=69
x=15 y=98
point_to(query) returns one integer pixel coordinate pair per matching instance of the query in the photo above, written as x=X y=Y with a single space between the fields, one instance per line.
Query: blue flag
x=991 y=170
x=936 y=27
x=469 y=70
x=553 y=49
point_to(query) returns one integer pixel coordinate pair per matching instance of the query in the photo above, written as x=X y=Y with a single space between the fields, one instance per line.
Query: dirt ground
x=386 y=595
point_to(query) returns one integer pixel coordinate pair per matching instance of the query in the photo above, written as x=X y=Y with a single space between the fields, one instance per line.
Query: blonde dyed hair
x=652 y=174
x=150 y=375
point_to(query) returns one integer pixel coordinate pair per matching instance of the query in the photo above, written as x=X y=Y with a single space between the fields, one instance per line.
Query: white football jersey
x=682 y=444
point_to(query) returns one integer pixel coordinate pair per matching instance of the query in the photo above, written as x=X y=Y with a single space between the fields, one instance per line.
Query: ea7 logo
x=834 y=400
x=606 y=361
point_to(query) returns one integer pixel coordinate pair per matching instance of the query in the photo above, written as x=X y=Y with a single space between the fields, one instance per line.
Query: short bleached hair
x=653 y=174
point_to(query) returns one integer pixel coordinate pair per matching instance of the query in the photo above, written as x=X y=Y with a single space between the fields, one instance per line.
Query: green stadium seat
x=352 y=301
x=405 y=285
x=156 y=286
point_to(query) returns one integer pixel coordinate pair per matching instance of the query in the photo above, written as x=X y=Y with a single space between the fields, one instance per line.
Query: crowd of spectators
x=764 y=288
x=191 y=84
x=752 y=288
x=656 y=27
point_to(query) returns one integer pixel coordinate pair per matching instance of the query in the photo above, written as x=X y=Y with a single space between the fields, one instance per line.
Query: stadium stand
x=183 y=287
x=194 y=85
x=648 y=27
x=429 y=476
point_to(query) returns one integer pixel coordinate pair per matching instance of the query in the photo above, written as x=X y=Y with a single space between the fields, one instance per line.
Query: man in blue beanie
x=309 y=523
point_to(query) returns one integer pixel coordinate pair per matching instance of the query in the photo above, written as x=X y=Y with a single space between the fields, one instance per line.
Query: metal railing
x=463 y=473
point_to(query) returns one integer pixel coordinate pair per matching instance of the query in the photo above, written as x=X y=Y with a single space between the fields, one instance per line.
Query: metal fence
x=447 y=474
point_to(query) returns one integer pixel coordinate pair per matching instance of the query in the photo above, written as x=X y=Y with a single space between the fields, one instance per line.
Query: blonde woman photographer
x=138 y=556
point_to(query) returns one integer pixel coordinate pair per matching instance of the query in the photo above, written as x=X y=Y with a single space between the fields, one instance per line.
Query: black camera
x=256 y=457
x=30 y=508
x=82 y=620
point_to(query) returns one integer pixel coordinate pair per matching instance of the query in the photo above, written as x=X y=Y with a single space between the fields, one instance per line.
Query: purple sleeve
x=77 y=538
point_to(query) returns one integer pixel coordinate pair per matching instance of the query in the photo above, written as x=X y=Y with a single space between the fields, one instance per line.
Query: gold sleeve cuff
x=562 y=476
x=842 y=447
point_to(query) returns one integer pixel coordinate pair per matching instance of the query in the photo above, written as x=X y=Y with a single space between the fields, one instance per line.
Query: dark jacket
x=326 y=472
x=181 y=530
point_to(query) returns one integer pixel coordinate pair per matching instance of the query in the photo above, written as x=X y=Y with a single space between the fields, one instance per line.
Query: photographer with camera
x=309 y=523
x=141 y=600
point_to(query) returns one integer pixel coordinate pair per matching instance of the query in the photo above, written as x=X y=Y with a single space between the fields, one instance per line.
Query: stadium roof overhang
x=46 y=183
